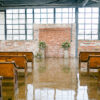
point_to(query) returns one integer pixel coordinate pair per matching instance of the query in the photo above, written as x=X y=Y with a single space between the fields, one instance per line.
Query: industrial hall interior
x=49 y=49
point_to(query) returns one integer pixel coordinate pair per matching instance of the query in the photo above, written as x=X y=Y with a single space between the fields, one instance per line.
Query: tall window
x=2 y=26
x=65 y=15
x=88 y=23
x=29 y=28
x=44 y=16
x=15 y=24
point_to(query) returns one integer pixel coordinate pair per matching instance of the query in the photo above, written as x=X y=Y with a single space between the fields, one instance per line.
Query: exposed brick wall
x=89 y=45
x=54 y=37
x=18 y=46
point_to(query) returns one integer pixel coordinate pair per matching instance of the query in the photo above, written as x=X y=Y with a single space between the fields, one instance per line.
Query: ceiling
x=49 y=3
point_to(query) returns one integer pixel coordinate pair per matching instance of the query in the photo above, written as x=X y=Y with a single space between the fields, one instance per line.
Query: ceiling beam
x=85 y=3
x=95 y=0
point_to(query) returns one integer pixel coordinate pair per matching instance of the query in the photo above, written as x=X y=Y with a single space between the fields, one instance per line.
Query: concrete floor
x=56 y=79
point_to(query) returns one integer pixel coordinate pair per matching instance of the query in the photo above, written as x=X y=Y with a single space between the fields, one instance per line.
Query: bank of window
x=2 y=25
x=88 y=23
x=15 y=24
x=29 y=25
x=64 y=15
x=44 y=16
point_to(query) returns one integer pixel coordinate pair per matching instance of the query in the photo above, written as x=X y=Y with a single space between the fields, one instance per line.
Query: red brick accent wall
x=54 y=37
x=89 y=45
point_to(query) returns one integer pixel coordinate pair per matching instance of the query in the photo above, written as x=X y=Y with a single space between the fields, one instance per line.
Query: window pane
x=21 y=15
x=58 y=21
x=87 y=37
x=50 y=10
x=29 y=10
x=88 y=32
x=22 y=31
x=36 y=10
x=29 y=37
x=81 y=37
x=15 y=37
x=43 y=21
x=15 y=21
x=15 y=32
x=81 y=26
x=9 y=31
x=50 y=21
x=29 y=15
x=15 y=10
x=2 y=37
x=15 y=16
x=1 y=27
x=22 y=37
x=9 y=11
x=9 y=37
x=29 y=32
x=81 y=32
x=9 y=16
x=37 y=21
x=94 y=37
x=21 y=10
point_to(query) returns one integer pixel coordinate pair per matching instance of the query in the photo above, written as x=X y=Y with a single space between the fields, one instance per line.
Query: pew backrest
x=29 y=55
x=94 y=61
x=83 y=56
x=7 y=69
x=21 y=61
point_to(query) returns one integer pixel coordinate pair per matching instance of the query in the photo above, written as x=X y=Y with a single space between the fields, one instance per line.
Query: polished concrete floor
x=55 y=79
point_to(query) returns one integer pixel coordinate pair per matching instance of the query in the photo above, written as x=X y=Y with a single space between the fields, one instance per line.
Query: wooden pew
x=8 y=70
x=21 y=61
x=93 y=62
x=83 y=56
x=1 y=87
x=9 y=83
x=29 y=55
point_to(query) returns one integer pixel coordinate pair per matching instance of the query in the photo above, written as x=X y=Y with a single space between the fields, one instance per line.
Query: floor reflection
x=56 y=79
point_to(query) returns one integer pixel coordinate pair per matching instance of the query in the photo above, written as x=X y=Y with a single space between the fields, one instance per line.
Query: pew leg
x=99 y=76
x=79 y=65
x=26 y=69
x=16 y=81
x=32 y=64
x=26 y=72
x=0 y=90
x=88 y=69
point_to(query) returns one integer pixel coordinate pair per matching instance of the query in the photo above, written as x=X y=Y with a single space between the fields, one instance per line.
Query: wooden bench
x=29 y=55
x=93 y=62
x=21 y=61
x=83 y=56
x=1 y=87
x=9 y=71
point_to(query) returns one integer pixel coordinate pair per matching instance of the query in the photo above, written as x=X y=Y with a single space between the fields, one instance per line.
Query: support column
x=76 y=21
x=99 y=25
